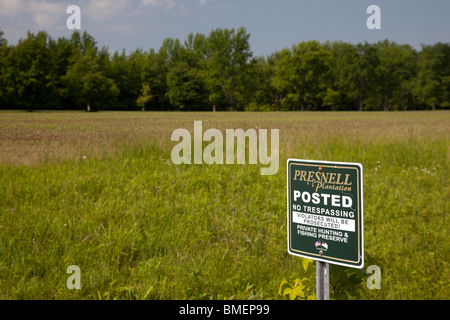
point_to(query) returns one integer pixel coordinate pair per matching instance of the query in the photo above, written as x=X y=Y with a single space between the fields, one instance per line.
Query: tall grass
x=141 y=228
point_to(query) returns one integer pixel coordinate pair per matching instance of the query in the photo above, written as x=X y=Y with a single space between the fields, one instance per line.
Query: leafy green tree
x=31 y=77
x=397 y=65
x=283 y=80
x=366 y=64
x=154 y=74
x=128 y=74
x=227 y=65
x=270 y=91
x=87 y=81
x=3 y=41
x=3 y=69
x=432 y=84
x=185 y=77
x=261 y=95
x=339 y=86
x=300 y=73
x=145 y=96
x=184 y=86
x=62 y=51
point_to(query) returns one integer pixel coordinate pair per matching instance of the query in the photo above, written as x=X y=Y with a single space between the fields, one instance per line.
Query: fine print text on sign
x=325 y=211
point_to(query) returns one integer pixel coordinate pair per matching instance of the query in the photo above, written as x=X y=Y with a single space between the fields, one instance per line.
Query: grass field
x=100 y=191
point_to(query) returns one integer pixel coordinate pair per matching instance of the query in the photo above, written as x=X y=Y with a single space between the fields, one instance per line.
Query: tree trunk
x=277 y=103
x=405 y=100
x=386 y=104
x=143 y=107
x=88 y=109
x=433 y=106
x=232 y=103
x=361 y=107
x=214 y=107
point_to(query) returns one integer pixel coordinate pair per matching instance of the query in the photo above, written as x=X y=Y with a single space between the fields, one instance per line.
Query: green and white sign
x=325 y=211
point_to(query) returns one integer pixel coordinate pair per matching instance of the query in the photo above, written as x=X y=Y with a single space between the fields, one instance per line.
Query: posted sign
x=325 y=211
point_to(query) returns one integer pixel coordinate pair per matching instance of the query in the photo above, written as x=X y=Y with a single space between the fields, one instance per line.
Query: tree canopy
x=218 y=71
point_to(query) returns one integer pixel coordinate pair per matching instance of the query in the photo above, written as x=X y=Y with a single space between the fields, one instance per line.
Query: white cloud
x=48 y=14
x=168 y=4
x=101 y=10
x=45 y=14
x=18 y=16
x=10 y=6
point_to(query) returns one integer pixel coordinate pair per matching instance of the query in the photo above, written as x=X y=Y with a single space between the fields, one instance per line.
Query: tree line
x=219 y=72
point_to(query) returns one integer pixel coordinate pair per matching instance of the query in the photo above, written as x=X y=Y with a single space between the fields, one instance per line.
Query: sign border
x=358 y=264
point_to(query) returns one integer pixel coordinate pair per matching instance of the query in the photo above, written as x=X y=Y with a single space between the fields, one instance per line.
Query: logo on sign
x=321 y=245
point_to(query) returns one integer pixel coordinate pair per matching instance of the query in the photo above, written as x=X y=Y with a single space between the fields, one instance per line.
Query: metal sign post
x=322 y=281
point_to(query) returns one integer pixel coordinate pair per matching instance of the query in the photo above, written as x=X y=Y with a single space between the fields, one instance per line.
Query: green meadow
x=99 y=191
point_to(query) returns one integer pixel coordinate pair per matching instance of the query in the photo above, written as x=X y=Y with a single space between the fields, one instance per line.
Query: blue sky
x=273 y=25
